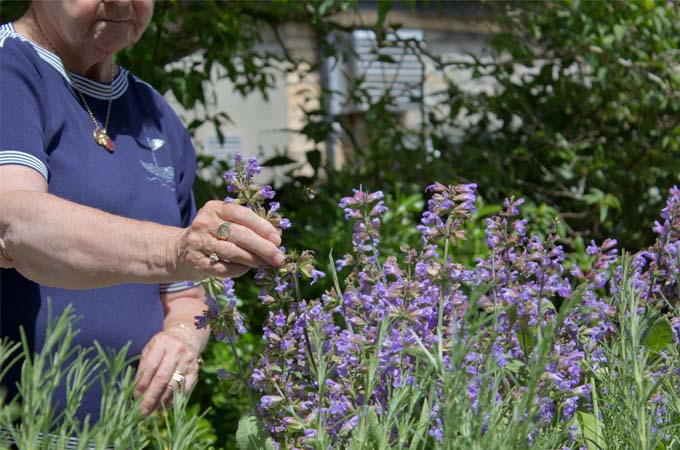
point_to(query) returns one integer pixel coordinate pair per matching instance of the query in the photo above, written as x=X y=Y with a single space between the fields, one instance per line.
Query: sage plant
x=383 y=358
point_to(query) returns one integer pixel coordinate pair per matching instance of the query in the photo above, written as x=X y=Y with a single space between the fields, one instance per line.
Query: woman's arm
x=176 y=348
x=59 y=243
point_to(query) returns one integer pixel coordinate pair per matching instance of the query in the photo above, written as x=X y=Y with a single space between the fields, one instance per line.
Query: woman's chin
x=113 y=36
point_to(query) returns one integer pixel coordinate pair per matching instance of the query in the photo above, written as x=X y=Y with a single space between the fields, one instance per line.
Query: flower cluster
x=328 y=361
x=222 y=315
x=244 y=191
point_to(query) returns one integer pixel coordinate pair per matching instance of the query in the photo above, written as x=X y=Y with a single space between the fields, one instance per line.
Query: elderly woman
x=96 y=208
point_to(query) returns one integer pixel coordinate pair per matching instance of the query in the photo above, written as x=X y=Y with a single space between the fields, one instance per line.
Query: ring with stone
x=223 y=231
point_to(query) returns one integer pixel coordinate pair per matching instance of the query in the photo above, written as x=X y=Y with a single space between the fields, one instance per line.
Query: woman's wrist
x=191 y=338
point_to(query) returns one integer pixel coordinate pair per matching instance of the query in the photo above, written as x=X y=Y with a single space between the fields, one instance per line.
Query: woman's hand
x=168 y=353
x=252 y=242
x=174 y=351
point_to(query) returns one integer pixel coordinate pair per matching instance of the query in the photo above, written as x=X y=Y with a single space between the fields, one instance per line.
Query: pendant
x=103 y=139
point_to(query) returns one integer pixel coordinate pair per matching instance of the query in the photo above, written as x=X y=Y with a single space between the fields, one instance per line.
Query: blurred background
x=572 y=105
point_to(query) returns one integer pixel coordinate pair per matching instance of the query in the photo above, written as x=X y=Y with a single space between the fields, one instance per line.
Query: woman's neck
x=39 y=31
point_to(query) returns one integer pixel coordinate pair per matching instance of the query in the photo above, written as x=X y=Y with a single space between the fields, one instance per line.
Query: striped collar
x=87 y=86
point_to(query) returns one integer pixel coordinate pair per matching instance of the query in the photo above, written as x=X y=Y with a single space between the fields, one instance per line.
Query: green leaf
x=387 y=59
x=326 y=6
x=604 y=210
x=619 y=32
x=281 y=160
x=591 y=428
x=422 y=427
x=383 y=8
x=514 y=365
x=314 y=159
x=594 y=196
x=251 y=434
x=659 y=337
x=368 y=434
x=374 y=428
x=526 y=337
x=488 y=210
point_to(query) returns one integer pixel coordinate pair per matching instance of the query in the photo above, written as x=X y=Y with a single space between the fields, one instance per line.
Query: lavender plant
x=419 y=351
x=30 y=420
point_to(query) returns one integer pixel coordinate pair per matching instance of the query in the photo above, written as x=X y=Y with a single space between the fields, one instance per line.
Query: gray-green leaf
x=251 y=434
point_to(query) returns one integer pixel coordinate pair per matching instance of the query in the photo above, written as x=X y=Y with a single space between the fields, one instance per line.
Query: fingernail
x=278 y=259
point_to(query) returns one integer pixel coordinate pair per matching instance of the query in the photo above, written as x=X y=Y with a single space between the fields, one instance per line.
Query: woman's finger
x=224 y=269
x=246 y=248
x=152 y=355
x=190 y=374
x=183 y=375
x=247 y=218
x=152 y=395
x=164 y=359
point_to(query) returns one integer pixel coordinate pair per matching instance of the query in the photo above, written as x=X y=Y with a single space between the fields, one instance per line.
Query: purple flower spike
x=319 y=352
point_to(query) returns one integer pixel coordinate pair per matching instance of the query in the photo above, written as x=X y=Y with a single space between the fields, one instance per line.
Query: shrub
x=417 y=350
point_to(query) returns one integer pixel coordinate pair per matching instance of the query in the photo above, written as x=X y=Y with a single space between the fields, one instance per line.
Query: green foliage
x=12 y=9
x=585 y=116
x=581 y=115
x=635 y=384
x=233 y=44
x=251 y=434
x=224 y=401
x=625 y=394
x=32 y=415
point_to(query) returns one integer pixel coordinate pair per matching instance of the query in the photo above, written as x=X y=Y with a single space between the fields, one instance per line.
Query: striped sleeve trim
x=8 y=157
x=167 y=288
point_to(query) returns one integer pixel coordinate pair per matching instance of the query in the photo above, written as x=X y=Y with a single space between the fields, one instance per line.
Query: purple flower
x=316 y=274
x=388 y=309
x=499 y=355
x=252 y=168
x=222 y=316
x=266 y=192
x=569 y=408
x=267 y=401
x=284 y=224
x=546 y=409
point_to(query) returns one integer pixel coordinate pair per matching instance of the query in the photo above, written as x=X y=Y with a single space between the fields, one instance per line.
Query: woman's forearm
x=59 y=243
x=181 y=310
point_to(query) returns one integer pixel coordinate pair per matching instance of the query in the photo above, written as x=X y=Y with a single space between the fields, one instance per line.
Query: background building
x=264 y=127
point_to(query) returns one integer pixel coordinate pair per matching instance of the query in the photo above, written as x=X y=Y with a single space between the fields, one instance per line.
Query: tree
x=592 y=130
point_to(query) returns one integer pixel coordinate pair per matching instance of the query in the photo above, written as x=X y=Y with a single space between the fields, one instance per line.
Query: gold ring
x=223 y=231
x=178 y=377
x=214 y=257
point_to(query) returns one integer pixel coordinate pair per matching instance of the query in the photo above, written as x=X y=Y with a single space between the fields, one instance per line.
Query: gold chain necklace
x=99 y=134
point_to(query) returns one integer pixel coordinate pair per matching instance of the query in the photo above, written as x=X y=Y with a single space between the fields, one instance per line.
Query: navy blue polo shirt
x=149 y=176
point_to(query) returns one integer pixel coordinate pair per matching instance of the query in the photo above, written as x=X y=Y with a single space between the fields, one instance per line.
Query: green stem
x=242 y=372
x=308 y=344
x=442 y=289
x=230 y=336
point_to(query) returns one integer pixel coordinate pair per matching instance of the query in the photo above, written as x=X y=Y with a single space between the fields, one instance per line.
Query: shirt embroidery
x=163 y=174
